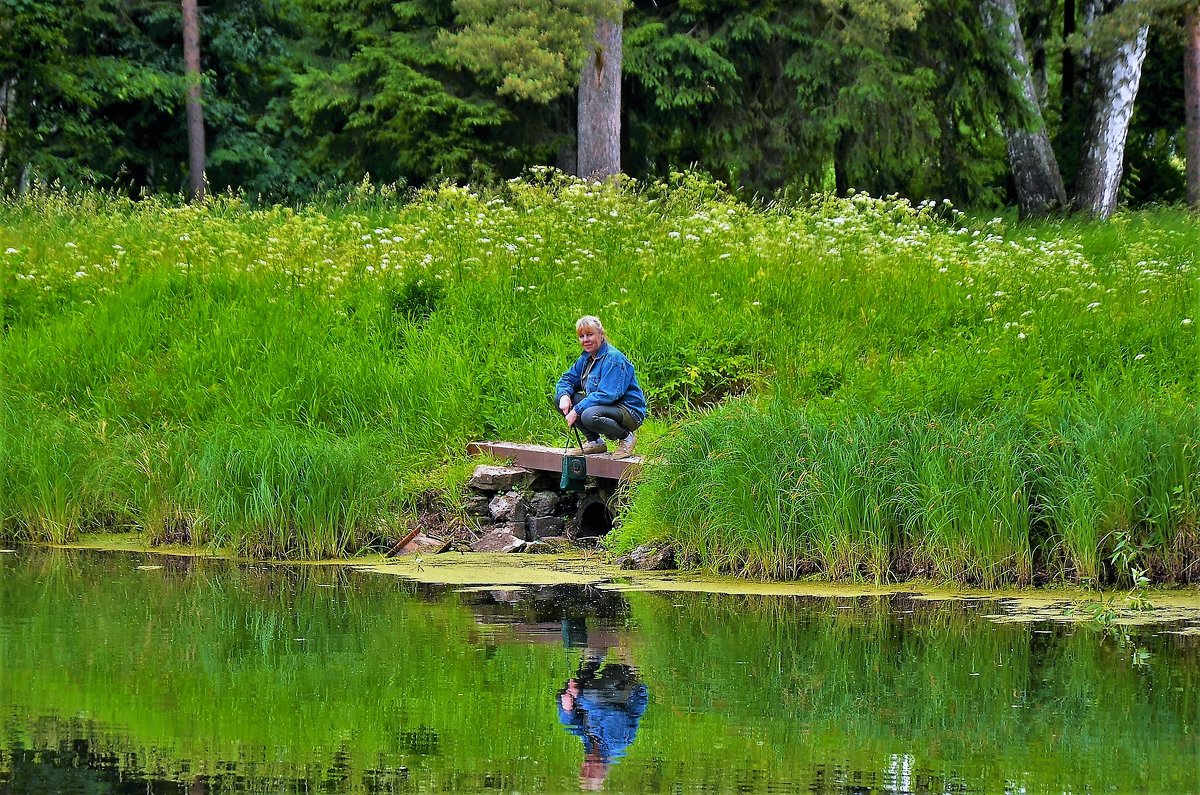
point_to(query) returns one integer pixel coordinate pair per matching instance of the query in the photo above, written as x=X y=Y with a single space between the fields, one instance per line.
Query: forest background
x=922 y=98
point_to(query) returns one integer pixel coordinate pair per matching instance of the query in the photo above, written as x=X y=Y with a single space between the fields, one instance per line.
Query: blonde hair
x=592 y=322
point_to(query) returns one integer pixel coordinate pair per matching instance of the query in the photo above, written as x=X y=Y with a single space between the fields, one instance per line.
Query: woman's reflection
x=601 y=705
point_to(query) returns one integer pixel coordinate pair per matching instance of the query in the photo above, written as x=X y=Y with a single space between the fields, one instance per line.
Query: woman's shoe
x=589 y=448
x=625 y=446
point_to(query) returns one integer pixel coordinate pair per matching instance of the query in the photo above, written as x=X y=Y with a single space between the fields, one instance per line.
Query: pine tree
x=195 y=110
x=542 y=49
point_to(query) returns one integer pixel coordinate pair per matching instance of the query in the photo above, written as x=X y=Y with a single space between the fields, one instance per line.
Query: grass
x=856 y=388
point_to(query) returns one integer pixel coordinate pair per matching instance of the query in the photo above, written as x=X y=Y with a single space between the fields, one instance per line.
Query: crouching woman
x=600 y=393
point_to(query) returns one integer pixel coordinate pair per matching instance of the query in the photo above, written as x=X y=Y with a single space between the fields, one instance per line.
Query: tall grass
x=982 y=499
x=49 y=486
x=896 y=386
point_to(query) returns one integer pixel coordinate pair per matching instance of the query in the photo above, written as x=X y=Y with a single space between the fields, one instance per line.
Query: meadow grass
x=849 y=387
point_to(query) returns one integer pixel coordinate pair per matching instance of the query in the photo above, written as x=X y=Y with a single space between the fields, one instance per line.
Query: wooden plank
x=549 y=459
x=394 y=551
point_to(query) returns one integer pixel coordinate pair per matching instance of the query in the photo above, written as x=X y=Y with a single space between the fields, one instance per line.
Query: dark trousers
x=612 y=421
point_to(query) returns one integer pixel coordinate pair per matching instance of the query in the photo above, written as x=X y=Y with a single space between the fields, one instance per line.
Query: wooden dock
x=549 y=459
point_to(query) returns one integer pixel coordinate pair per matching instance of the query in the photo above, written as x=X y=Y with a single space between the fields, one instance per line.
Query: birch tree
x=1113 y=78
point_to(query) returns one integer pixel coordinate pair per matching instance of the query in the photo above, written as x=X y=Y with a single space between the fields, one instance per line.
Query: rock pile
x=518 y=510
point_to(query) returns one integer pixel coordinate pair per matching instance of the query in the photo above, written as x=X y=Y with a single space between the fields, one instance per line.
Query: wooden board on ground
x=549 y=459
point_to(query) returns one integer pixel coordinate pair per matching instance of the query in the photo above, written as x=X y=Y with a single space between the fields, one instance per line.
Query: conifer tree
x=541 y=49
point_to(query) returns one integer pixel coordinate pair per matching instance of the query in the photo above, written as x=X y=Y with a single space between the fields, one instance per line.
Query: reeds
x=989 y=500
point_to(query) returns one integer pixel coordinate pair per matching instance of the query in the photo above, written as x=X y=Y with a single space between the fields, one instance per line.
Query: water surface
x=135 y=673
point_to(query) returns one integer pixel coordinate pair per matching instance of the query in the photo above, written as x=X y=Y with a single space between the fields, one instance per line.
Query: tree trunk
x=195 y=111
x=600 y=103
x=1035 y=40
x=1068 y=56
x=8 y=97
x=1191 y=104
x=1112 y=89
x=1038 y=182
x=567 y=157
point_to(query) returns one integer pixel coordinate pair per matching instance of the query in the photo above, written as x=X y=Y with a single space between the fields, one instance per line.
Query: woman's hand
x=564 y=405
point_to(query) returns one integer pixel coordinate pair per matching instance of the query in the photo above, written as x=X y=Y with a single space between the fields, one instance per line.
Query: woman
x=601 y=393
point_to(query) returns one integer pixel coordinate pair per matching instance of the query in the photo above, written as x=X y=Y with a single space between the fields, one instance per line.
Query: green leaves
x=681 y=70
x=389 y=103
x=531 y=50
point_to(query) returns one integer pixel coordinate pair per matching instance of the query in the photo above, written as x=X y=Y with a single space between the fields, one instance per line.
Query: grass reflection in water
x=247 y=678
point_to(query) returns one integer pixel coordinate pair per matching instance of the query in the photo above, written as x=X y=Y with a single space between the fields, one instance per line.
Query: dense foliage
x=904 y=389
x=882 y=96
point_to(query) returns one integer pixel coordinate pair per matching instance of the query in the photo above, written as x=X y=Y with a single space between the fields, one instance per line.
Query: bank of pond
x=857 y=388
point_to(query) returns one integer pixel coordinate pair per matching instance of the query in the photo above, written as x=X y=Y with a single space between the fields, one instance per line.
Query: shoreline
x=475 y=570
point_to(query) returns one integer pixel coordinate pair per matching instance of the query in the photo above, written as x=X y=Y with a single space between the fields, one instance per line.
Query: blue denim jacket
x=611 y=381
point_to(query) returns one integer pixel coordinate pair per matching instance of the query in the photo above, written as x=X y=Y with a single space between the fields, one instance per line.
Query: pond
x=137 y=673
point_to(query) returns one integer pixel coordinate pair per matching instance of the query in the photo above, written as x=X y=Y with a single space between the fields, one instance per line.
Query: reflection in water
x=208 y=675
x=602 y=705
x=603 y=702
